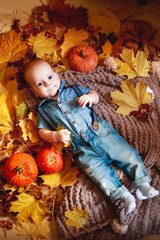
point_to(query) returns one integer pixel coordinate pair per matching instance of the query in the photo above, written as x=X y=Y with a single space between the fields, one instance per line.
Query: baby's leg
x=97 y=169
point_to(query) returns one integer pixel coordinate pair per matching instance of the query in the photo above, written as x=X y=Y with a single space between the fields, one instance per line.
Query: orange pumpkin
x=83 y=59
x=20 y=169
x=49 y=161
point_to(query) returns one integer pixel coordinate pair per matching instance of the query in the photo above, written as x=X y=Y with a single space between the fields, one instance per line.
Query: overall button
x=66 y=112
x=59 y=102
x=81 y=131
x=74 y=122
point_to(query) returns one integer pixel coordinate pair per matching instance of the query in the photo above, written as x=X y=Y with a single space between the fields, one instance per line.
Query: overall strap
x=94 y=116
x=53 y=125
x=46 y=117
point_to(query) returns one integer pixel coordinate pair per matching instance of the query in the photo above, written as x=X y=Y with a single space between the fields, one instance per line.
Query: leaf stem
x=52 y=193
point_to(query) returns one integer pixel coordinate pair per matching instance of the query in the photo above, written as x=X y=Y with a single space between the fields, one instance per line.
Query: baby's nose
x=46 y=84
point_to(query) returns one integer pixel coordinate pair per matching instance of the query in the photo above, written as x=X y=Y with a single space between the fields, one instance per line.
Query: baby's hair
x=30 y=65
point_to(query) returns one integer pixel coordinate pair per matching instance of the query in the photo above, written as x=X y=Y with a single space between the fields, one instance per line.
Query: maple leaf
x=106 y=20
x=27 y=206
x=12 y=48
x=19 y=105
x=3 y=69
x=66 y=177
x=72 y=39
x=137 y=30
x=68 y=174
x=29 y=129
x=124 y=69
x=76 y=217
x=42 y=45
x=65 y=15
x=12 y=107
x=6 y=114
x=142 y=65
x=6 y=73
x=28 y=228
x=107 y=51
x=9 y=187
x=53 y=180
x=133 y=66
x=131 y=98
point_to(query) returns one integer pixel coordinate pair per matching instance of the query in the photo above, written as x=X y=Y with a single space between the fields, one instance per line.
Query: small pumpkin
x=83 y=59
x=49 y=161
x=20 y=169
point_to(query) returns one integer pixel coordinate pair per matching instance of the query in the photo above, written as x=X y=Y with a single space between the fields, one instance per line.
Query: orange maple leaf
x=11 y=47
x=42 y=45
x=72 y=39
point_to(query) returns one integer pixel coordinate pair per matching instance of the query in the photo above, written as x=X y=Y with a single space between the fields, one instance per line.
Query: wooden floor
x=21 y=9
x=9 y=9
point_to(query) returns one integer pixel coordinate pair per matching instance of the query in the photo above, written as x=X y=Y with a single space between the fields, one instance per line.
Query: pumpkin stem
x=51 y=159
x=19 y=169
x=83 y=54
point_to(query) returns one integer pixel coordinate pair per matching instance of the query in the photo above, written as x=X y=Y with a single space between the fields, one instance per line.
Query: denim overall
x=94 y=150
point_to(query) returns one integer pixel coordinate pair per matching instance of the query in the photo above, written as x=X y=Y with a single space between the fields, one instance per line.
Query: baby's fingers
x=82 y=101
x=65 y=131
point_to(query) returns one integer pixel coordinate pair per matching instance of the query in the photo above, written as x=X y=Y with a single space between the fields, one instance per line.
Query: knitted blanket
x=106 y=220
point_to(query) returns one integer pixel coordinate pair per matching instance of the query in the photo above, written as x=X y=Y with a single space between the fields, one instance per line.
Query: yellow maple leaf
x=107 y=51
x=67 y=176
x=42 y=45
x=27 y=207
x=28 y=228
x=10 y=187
x=128 y=56
x=6 y=73
x=131 y=98
x=17 y=99
x=6 y=114
x=124 y=69
x=133 y=66
x=106 y=20
x=11 y=47
x=28 y=127
x=142 y=65
x=12 y=106
x=72 y=39
x=53 y=180
x=23 y=125
x=76 y=217
x=3 y=69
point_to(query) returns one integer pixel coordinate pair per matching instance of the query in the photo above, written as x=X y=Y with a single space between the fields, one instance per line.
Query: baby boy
x=94 y=150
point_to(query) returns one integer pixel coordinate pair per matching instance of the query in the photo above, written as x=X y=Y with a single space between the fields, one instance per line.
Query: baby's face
x=43 y=80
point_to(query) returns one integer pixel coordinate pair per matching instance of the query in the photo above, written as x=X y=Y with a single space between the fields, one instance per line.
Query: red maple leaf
x=143 y=113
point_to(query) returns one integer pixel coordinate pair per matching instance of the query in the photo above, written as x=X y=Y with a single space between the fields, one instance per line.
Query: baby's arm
x=91 y=98
x=48 y=135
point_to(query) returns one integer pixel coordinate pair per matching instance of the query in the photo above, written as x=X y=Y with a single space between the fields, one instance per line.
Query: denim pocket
x=104 y=128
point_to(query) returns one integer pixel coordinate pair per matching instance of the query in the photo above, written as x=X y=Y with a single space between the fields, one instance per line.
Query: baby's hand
x=84 y=99
x=63 y=136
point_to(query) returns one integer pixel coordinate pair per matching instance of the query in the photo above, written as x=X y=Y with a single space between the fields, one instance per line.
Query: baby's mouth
x=50 y=87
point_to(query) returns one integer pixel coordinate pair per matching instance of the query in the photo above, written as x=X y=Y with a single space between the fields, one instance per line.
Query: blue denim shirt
x=66 y=112
x=95 y=150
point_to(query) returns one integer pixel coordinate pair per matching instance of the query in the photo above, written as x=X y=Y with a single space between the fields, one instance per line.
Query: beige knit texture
x=107 y=221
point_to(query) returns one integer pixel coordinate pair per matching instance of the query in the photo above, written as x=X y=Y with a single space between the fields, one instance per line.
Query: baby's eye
x=50 y=77
x=40 y=84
